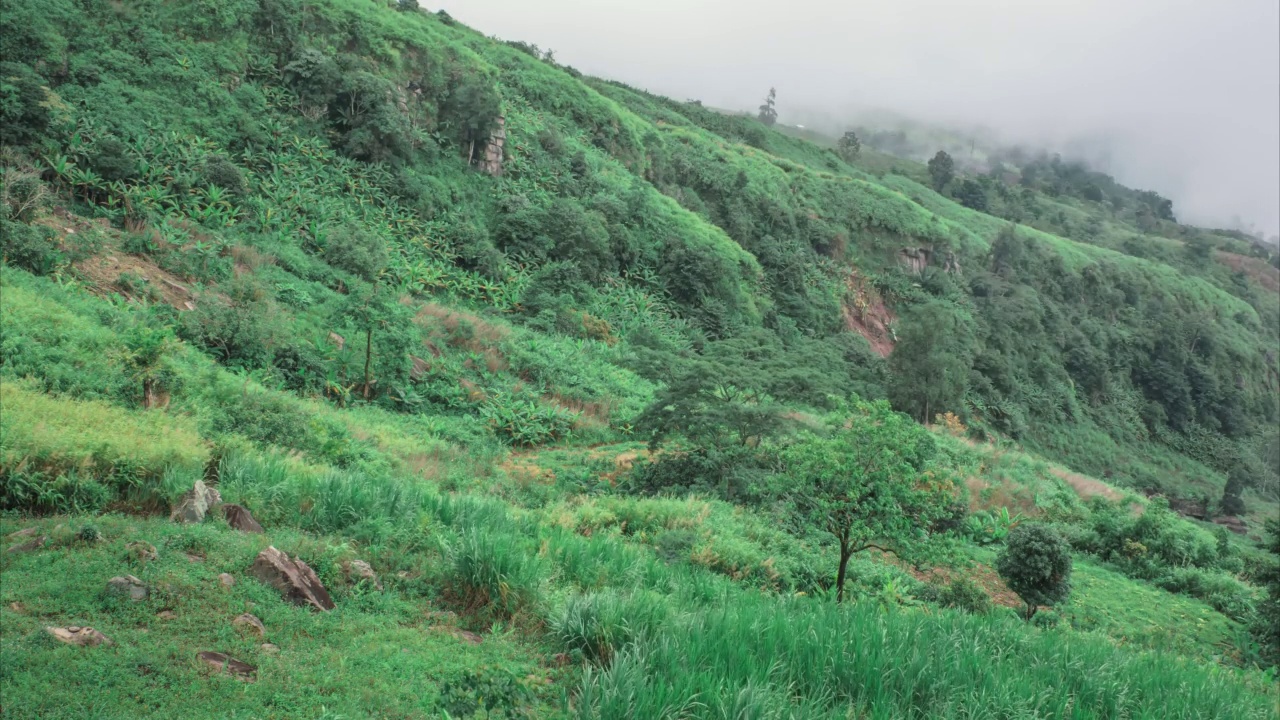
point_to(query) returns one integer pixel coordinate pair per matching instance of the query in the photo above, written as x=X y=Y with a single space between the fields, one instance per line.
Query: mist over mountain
x=1178 y=97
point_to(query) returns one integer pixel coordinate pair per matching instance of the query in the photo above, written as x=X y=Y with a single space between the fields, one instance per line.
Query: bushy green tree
x=931 y=360
x=971 y=195
x=148 y=356
x=1237 y=481
x=357 y=250
x=941 y=170
x=388 y=337
x=849 y=146
x=871 y=483
x=712 y=402
x=1036 y=564
x=25 y=105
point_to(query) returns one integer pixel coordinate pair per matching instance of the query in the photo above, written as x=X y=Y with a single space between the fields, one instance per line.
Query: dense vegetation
x=625 y=384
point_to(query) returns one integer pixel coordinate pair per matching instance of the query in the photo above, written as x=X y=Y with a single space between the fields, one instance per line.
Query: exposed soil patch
x=1256 y=269
x=104 y=273
x=865 y=313
x=1087 y=487
x=984 y=575
x=986 y=495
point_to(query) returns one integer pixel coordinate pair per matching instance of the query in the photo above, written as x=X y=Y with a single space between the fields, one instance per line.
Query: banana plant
x=61 y=167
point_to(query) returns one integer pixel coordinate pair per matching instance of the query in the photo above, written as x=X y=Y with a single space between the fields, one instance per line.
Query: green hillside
x=583 y=374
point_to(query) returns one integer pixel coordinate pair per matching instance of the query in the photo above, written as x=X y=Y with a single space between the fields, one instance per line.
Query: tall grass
x=58 y=454
x=804 y=658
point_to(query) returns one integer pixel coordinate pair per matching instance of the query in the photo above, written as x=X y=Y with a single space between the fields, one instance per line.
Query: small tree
x=1036 y=564
x=971 y=195
x=871 y=484
x=931 y=362
x=849 y=146
x=357 y=250
x=1237 y=481
x=942 y=169
x=1266 y=627
x=147 y=354
x=769 y=111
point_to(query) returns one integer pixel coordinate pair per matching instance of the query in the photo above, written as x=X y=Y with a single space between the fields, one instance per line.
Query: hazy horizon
x=1179 y=97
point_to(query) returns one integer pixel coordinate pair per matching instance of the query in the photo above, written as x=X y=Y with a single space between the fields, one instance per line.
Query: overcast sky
x=1185 y=94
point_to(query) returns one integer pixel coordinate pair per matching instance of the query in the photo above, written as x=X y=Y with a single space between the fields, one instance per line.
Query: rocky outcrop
x=357 y=570
x=141 y=551
x=195 y=503
x=249 y=623
x=293 y=578
x=127 y=586
x=240 y=518
x=225 y=663
x=82 y=636
x=491 y=158
x=34 y=543
x=226 y=580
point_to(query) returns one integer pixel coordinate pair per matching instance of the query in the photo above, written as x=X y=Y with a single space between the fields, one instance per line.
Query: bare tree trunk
x=471 y=151
x=845 y=554
x=368 y=356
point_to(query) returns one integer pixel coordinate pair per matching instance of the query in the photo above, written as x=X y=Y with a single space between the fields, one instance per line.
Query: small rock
x=226 y=580
x=82 y=636
x=465 y=636
x=32 y=544
x=442 y=617
x=224 y=663
x=24 y=532
x=293 y=578
x=17 y=607
x=197 y=501
x=143 y=552
x=361 y=570
x=468 y=637
x=127 y=586
x=250 y=623
x=240 y=518
x=192 y=557
x=269 y=649
x=166 y=615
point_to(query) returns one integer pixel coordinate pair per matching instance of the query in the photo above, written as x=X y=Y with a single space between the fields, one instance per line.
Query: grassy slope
x=330 y=482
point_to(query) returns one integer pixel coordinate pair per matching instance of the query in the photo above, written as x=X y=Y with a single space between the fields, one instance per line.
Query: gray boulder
x=195 y=503
x=293 y=578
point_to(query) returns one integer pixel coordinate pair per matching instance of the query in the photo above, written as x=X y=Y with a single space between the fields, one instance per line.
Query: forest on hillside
x=610 y=381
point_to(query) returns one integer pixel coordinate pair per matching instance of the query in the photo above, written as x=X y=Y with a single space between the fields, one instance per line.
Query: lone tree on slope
x=849 y=146
x=942 y=169
x=1036 y=564
x=769 y=111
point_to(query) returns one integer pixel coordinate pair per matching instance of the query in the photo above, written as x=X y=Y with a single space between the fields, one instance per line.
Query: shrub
x=25 y=107
x=356 y=250
x=113 y=160
x=492 y=575
x=1221 y=591
x=31 y=247
x=1036 y=564
x=237 y=330
x=22 y=195
x=220 y=172
x=966 y=595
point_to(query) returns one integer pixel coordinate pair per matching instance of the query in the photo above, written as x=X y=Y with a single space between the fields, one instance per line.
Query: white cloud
x=1185 y=92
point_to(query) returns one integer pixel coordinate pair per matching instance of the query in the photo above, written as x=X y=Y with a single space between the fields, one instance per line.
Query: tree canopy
x=870 y=483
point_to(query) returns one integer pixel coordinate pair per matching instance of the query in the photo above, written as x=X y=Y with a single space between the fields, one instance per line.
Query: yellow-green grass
x=378 y=654
x=44 y=433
